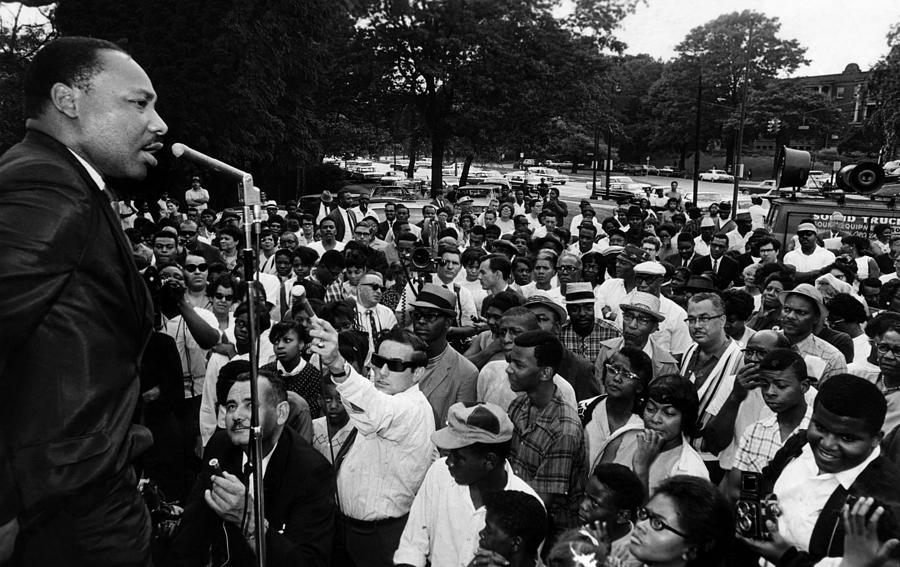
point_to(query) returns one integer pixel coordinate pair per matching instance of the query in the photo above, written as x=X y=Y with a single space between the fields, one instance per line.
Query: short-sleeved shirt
x=548 y=453
x=761 y=441
x=588 y=347
x=835 y=363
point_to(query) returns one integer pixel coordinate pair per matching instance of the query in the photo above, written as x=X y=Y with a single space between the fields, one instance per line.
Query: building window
x=826 y=89
x=839 y=93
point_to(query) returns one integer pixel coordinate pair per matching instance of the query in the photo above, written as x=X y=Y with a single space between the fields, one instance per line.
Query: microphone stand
x=250 y=198
x=252 y=213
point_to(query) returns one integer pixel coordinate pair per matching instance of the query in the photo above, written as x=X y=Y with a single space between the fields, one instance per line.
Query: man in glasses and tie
x=386 y=460
x=371 y=315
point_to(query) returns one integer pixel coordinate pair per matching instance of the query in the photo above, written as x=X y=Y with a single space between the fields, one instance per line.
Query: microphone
x=251 y=195
x=182 y=151
x=298 y=295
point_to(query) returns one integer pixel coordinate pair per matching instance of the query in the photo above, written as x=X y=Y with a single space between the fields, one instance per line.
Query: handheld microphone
x=298 y=295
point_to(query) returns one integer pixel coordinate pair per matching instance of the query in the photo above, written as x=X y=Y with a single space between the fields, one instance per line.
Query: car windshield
x=392 y=191
x=480 y=192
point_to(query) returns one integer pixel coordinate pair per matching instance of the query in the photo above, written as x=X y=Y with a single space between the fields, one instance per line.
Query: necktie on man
x=373 y=328
x=716 y=266
x=282 y=298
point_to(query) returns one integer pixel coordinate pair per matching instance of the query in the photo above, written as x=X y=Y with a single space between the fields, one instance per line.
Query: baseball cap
x=475 y=423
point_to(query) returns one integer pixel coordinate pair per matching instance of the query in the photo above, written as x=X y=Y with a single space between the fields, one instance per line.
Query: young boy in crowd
x=514 y=527
x=612 y=497
x=330 y=431
x=783 y=384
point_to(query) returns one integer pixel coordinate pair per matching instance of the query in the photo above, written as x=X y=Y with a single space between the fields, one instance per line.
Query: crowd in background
x=521 y=384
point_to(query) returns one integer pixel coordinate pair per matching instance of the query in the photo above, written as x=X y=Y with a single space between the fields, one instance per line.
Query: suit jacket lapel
x=440 y=372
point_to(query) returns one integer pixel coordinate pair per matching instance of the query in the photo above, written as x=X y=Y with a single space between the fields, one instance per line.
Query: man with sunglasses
x=189 y=243
x=371 y=315
x=390 y=449
x=196 y=272
x=641 y=318
x=449 y=377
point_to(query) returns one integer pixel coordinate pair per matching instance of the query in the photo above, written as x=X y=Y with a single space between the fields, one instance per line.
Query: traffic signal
x=773 y=125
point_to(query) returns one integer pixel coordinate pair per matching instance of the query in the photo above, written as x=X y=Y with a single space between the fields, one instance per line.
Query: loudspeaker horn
x=863 y=178
x=793 y=168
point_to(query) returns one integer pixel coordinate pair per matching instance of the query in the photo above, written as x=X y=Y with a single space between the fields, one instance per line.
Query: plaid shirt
x=761 y=441
x=835 y=363
x=335 y=291
x=548 y=453
x=588 y=347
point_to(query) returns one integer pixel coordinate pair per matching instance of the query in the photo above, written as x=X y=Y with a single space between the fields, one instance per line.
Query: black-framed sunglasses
x=222 y=297
x=374 y=286
x=656 y=522
x=191 y=268
x=393 y=364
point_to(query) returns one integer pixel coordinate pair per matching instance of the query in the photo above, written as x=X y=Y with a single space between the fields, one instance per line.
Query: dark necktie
x=373 y=328
x=716 y=266
x=351 y=218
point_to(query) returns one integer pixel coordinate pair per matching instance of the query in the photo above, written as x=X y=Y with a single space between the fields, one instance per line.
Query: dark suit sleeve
x=43 y=234
x=190 y=546
x=306 y=538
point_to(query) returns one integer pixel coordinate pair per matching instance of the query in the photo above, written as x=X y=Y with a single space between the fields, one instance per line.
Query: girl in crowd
x=670 y=418
x=544 y=274
x=592 y=269
x=687 y=523
x=505 y=220
x=613 y=421
x=769 y=314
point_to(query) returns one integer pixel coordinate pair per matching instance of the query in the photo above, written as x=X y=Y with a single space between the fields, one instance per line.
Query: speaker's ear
x=793 y=167
x=862 y=178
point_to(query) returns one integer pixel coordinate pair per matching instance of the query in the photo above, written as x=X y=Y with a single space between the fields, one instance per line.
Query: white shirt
x=701 y=248
x=384 y=319
x=493 y=386
x=757 y=216
x=610 y=294
x=465 y=302
x=477 y=292
x=360 y=214
x=680 y=460
x=443 y=523
x=887 y=277
x=325 y=446
x=348 y=228
x=808 y=262
x=802 y=493
x=553 y=293
x=578 y=219
x=738 y=242
x=192 y=355
x=575 y=249
x=320 y=248
x=672 y=335
x=387 y=463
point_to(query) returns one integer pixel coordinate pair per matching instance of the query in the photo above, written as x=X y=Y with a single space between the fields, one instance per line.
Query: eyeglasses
x=393 y=364
x=187 y=233
x=566 y=269
x=222 y=296
x=425 y=316
x=614 y=370
x=191 y=268
x=374 y=286
x=657 y=522
x=754 y=352
x=884 y=348
x=703 y=319
x=647 y=277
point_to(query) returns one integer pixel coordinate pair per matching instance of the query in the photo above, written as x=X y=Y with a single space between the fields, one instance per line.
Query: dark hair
x=72 y=61
x=882 y=323
x=763 y=240
x=472 y=255
x=499 y=262
x=334 y=309
x=844 y=306
x=492 y=230
x=849 y=270
x=227 y=375
x=519 y=514
x=523 y=260
x=846 y=395
x=405 y=337
x=354 y=346
x=643 y=367
x=870 y=282
x=627 y=489
x=231 y=231
x=354 y=259
x=781 y=359
x=285 y=252
x=704 y=514
x=523 y=313
x=786 y=280
x=277 y=390
x=263 y=320
x=225 y=280
x=684 y=238
x=307 y=255
x=282 y=328
x=720 y=236
x=503 y=301
x=679 y=392
x=738 y=303
x=548 y=351
x=332 y=259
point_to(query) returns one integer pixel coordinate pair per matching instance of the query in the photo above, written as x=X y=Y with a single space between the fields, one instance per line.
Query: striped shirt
x=548 y=453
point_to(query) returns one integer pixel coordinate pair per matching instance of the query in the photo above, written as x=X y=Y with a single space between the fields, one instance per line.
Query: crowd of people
x=491 y=388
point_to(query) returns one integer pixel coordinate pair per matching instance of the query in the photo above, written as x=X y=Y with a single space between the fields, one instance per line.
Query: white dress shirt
x=802 y=493
x=493 y=386
x=391 y=454
x=443 y=523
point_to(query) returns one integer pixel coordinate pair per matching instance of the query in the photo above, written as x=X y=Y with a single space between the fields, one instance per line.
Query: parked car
x=760 y=188
x=666 y=171
x=481 y=195
x=552 y=176
x=649 y=170
x=620 y=183
x=707 y=198
x=717 y=176
x=393 y=177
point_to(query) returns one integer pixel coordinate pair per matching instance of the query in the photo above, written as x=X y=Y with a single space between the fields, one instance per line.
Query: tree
x=248 y=82
x=22 y=33
x=884 y=89
x=482 y=69
x=725 y=46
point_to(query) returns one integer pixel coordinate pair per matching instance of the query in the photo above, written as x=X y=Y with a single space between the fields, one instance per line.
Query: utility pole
x=697 y=133
x=608 y=159
x=738 y=170
x=596 y=157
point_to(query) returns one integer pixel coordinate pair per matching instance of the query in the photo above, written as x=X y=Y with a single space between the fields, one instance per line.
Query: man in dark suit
x=390 y=215
x=75 y=314
x=686 y=254
x=298 y=485
x=726 y=268
x=344 y=219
